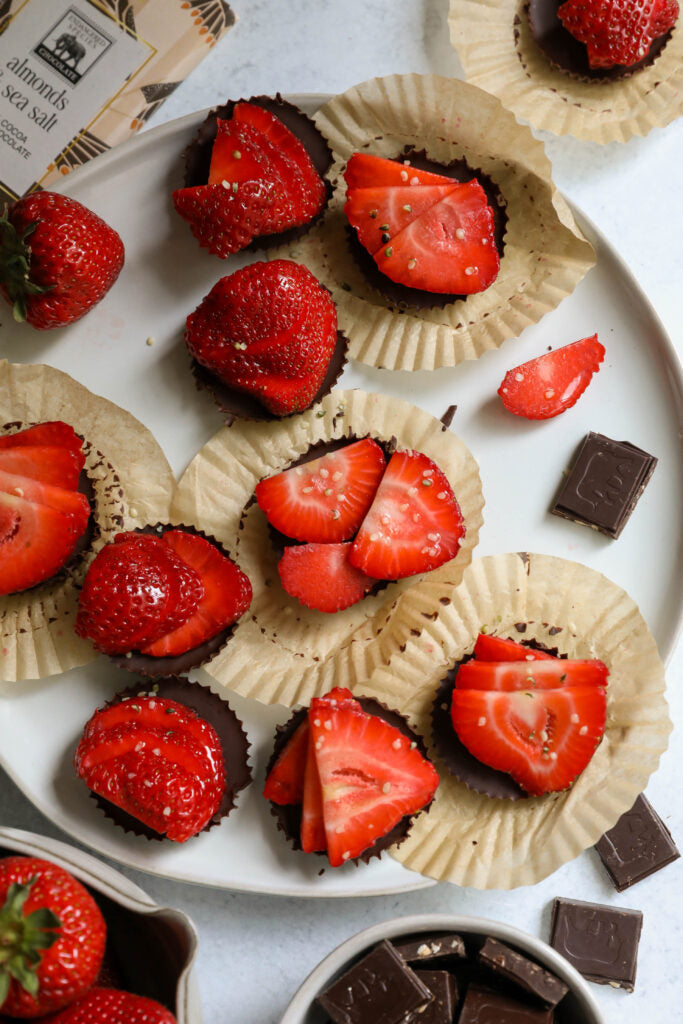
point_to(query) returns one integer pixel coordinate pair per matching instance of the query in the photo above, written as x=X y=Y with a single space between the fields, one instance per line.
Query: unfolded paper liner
x=282 y=652
x=132 y=485
x=545 y=254
x=500 y=55
x=472 y=839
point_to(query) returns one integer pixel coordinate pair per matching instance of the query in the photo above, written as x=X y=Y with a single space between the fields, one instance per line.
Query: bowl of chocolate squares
x=443 y=969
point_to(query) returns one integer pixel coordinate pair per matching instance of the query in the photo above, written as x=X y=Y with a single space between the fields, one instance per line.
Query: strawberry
x=52 y=466
x=35 y=541
x=57 y=259
x=520 y=675
x=313 y=837
x=546 y=386
x=224 y=219
x=303 y=566
x=52 y=937
x=52 y=434
x=269 y=330
x=285 y=782
x=423 y=230
x=110 y=1006
x=226 y=595
x=497 y=648
x=617 y=31
x=325 y=500
x=157 y=760
x=414 y=523
x=59 y=498
x=544 y=739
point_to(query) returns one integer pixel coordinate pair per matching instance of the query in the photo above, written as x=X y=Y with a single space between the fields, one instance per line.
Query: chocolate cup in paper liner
x=498 y=53
x=545 y=254
x=233 y=739
x=288 y=816
x=198 y=154
x=282 y=652
x=473 y=839
x=131 y=482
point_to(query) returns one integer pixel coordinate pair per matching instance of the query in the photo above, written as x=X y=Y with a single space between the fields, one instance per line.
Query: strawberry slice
x=498 y=648
x=231 y=160
x=414 y=523
x=379 y=213
x=520 y=675
x=226 y=594
x=324 y=500
x=35 y=541
x=544 y=740
x=54 y=434
x=56 y=467
x=371 y=776
x=63 y=500
x=364 y=170
x=546 y=386
x=303 y=566
x=225 y=219
x=617 y=31
x=285 y=781
x=313 y=837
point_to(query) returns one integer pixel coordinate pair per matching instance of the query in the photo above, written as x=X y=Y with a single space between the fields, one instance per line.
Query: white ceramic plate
x=637 y=396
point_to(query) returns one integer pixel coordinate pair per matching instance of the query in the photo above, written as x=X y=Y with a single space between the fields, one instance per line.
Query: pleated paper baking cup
x=472 y=839
x=282 y=652
x=131 y=483
x=544 y=256
x=499 y=54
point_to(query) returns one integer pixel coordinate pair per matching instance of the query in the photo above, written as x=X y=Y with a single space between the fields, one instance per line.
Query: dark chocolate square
x=600 y=941
x=526 y=974
x=637 y=846
x=605 y=483
x=431 y=947
x=444 y=988
x=482 y=1006
x=380 y=989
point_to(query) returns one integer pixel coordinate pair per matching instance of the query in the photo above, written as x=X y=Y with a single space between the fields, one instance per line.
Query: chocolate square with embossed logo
x=600 y=941
x=637 y=846
x=605 y=483
x=482 y=1006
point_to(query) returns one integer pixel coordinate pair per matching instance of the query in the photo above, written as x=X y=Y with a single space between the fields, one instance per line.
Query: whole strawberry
x=109 y=1006
x=52 y=937
x=57 y=259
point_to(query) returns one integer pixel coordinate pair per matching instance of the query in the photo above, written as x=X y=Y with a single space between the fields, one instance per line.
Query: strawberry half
x=325 y=500
x=617 y=31
x=498 y=648
x=414 y=524
x=546 y=386
x=520 y=675
x=544 y=739
x=303 y=566
x=35 y=540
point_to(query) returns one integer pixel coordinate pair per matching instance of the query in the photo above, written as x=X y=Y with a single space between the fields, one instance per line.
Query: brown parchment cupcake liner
x=544 y=255
x=282 y=652
x=132 y=484
x=499 y=54
x=472 y=839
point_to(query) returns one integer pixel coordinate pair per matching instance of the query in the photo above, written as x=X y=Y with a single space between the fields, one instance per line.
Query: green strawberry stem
x=15 y=267
x=23 y=937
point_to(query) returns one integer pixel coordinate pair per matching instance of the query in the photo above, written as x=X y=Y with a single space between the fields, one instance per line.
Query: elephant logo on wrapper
x=72 y=46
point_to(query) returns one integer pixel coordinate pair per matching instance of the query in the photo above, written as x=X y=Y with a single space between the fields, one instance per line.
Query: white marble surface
x=254 y=950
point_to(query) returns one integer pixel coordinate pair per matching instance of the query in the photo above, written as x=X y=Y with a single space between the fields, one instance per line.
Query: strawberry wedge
x=498 y=648
x=539 y=675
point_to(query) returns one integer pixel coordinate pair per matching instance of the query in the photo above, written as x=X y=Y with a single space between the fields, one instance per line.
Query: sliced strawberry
x=320 y=576
x=54 y=434
x=59 y=498
x=378 y=214
x=56 y=467
x=544 y=740
x=35 y=541
x=498 y=648
x=313 y=837
x=520 y=675
x=367 y=171
x=230 y=160
x=324 y=500
x=617 y=31
x=226 y=595
x=371 y=776
x=414 y=524
x=546 y=386
x=285 y=782
x=225 y=219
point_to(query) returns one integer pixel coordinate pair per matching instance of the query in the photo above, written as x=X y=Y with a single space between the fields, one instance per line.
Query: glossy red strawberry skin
x=617 y=32
x=269 y=330
x=303 y=567
x=74 y=255
x=497 y=648
x=545 y=387
x=224 y=219
x=111 y=1006
x=157 y=760
x=69 y=967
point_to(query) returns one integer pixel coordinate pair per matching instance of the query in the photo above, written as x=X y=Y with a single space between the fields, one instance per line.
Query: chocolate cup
x=570 y=56
x=197 y=155
x=288 y=816
x=233 y=739
x=476 y=775
x=401 y=295
x=176 y=664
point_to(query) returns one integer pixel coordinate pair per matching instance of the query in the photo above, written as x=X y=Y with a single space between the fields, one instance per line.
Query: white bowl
x=167 y=932
x=578 y=1007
